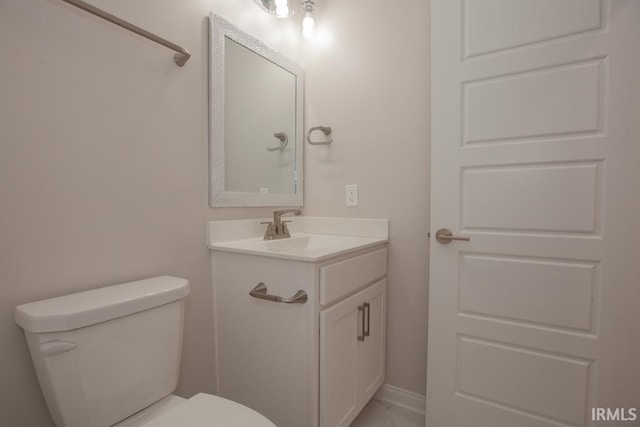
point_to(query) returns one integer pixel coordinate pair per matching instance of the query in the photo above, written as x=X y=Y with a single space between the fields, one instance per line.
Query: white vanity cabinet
x=352 y=348
x=312 y=364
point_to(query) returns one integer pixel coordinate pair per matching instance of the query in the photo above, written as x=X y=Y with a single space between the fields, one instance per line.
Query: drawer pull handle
x=260 y=291
x=362 y=334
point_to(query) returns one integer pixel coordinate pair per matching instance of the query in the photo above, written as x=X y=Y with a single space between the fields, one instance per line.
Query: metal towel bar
x=180 y=58
x=260 y=291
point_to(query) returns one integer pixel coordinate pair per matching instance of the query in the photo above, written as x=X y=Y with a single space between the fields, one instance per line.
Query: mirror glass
x=255 y=119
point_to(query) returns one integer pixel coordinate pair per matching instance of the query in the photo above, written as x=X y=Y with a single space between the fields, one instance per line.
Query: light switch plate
x=352 y=194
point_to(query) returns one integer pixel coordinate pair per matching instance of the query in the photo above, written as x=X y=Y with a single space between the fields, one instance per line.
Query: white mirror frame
x=219 y=29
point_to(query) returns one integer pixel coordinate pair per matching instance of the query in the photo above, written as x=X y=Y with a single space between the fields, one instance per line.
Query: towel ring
x=324 y=129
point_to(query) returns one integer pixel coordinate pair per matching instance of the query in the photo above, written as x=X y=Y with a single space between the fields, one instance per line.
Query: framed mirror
x=255 y=121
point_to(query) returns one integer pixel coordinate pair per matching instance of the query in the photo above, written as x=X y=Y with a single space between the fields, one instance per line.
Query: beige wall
x=371 y=85
x=103 y=165
x=103 y=160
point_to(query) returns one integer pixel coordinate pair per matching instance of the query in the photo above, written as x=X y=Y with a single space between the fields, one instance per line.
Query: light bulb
x=307 y=25
x=282 y=8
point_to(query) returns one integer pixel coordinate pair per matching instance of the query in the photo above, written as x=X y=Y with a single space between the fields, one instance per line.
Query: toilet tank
x=104 y=354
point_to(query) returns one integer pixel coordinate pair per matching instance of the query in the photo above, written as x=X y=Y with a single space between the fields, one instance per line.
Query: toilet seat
x=206 y=410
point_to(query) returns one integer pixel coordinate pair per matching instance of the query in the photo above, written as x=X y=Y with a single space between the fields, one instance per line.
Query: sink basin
x=308 y=241
x=300 y=246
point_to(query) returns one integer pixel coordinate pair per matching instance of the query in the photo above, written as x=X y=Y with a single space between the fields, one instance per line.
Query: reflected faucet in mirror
x=284 y=141
x=278 y=228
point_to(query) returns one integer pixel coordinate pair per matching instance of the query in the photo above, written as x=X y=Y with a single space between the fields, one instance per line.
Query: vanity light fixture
x=283 y=9
x=308 y=22
x=279 y=8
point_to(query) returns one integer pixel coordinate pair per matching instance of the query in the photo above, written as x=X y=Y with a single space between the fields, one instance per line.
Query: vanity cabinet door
x=370 y=353
x=339 y=326
x=352 y=340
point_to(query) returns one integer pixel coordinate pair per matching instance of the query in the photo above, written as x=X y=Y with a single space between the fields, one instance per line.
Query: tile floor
x=381 y=414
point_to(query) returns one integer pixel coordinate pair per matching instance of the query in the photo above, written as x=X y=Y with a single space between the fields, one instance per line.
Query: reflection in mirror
x=263 y=95
x=255 y=121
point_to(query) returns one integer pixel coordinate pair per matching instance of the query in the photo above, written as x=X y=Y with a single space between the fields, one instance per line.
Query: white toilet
x=111 y=357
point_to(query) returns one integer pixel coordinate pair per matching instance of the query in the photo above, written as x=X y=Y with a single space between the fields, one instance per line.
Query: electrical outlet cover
x=352 y=195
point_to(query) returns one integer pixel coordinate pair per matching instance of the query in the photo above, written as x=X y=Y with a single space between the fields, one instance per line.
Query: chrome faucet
x=278 y=228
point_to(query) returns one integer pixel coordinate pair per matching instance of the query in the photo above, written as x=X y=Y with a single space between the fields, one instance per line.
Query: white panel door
x=536 y=158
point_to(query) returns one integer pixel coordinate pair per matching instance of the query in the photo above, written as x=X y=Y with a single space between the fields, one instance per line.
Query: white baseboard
x=403 y=398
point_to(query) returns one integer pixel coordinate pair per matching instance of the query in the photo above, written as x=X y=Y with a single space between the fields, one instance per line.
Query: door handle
x=444 y=236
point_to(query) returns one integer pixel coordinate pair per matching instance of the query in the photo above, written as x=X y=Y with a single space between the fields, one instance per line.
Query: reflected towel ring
x=284 y=141
x=324 y=129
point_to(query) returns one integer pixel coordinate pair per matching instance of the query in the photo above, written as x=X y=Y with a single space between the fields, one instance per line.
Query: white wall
x=103 y=165
x=371 y=85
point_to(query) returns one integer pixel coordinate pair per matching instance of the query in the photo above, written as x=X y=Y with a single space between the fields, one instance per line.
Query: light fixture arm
x=308 y=5
x=283 y=9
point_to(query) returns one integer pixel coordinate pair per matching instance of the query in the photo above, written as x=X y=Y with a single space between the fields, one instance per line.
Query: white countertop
x=312 y=238
x=300 y=246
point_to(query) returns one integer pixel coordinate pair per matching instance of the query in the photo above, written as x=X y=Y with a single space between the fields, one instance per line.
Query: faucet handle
x=285 y=230
x=268 y=235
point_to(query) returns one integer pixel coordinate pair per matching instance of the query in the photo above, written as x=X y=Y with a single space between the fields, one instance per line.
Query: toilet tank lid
x=99 y=305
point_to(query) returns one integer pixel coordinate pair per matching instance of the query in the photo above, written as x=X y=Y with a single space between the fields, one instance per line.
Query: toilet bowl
x=202 y=410
x=111 y=357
